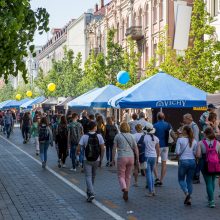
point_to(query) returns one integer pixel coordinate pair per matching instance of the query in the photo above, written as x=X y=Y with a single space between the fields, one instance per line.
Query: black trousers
x=62 y=154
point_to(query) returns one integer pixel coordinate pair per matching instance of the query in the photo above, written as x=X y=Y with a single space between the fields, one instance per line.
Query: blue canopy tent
x=160 y=91
x=3 y=104
x=16 y=104
x=29 y=104
x=97 y=98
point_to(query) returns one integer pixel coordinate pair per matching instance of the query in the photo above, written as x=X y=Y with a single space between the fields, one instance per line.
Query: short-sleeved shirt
x=144 y=123
x=84 y=141
x=137 y=136
x=184 y=150
x=132 y=125
x=162 y=132
x=150 y=145
x=209 y=142
x=195 y=130
x=125 y=144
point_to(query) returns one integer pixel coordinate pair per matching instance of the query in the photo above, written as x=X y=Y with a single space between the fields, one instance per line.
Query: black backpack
x=141 y=148
x=111 y=132
x=75 y=132
x=43 y=134
x=92 y=150
x=62 y=132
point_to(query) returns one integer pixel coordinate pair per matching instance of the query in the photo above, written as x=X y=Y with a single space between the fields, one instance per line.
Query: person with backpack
x=62 y=141
x=35 y=133
x=45 y=139
x=26 y=124
x=209 y=150
x=186 y=148
x=84 y=122
x=110 y=134
x=8 y=122
x=75 y=131
x=126 y=147
x=139 y=138
x=93 y=148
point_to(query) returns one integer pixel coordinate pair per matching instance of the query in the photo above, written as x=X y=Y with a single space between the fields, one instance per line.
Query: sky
x=61 y=12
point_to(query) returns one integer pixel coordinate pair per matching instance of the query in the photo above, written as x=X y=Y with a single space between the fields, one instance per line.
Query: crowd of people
x=134 y=147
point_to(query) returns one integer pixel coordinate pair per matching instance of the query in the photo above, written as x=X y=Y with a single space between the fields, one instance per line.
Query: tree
x=18 y=23
x=200 y=66
x=130 y=63
x=7 y=92
x=66 y=74
x=114 y=57
x=95 y=73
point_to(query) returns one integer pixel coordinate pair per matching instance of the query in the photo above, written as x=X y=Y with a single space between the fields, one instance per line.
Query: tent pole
x=161 y=109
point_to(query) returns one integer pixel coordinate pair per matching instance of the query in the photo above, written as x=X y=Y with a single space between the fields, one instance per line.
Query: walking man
x=8 y=122
x=93 y=147
x=75 y=131
x=162 y=132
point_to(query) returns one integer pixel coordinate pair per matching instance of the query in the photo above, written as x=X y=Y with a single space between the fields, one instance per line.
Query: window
x=161 y=9
x=147 y=17
x=118 y=32
x=140 y=18
x=155 y=12
x=123 y=30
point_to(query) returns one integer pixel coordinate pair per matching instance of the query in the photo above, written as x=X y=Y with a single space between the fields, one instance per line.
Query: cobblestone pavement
x=22 y=175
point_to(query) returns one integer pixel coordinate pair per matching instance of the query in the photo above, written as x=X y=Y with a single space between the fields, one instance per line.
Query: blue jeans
x=73 y=155
x=186 y=171
x=43 y=151
x=151 y=162
x=8 y=130
x=109 y=147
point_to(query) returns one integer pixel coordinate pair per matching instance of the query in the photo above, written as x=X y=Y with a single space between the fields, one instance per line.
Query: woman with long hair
x=101 y=128
x=25 y=126
x=62 y=141
x=35 y=132
x=127 y=150
x=45 y=139
x=209 y=142
x=186 y=147
x=110 y=134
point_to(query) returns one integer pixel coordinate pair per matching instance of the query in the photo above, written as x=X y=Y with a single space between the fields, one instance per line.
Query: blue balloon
x=123 y=77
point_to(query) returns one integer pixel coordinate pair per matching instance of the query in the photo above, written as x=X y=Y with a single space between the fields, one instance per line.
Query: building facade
x=213 y=7
x=143 y=20
x=72 y=36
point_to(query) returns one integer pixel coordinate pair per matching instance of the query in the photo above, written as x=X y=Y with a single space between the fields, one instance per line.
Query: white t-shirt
x=137 y=136
x=84 y=141
x=150 y=146
x=144 y=123
x=132 y=125
x=183 y=148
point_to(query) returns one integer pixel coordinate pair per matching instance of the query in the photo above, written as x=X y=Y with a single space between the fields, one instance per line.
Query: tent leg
x=161 y=109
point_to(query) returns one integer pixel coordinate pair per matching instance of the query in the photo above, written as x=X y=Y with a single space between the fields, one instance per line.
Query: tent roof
x=160 y=91
x=16 y=104
x=96 y=98
x=30 y=103
x=3 y=104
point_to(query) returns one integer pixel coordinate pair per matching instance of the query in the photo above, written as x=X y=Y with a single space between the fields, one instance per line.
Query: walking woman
x=186 y=148
x=62 y=141
x=25 y=126
x=45 y=139
x=152 y=152
x=101 y=128
x=35 y=132
x=111 y=132
x=209 y=143
x=127 y=155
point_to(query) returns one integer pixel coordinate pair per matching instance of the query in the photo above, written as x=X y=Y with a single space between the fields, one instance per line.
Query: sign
x=199 y=108
x=171 y=103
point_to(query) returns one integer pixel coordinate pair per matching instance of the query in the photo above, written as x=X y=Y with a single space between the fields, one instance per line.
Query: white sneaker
x=73 y=169
x=64 y=166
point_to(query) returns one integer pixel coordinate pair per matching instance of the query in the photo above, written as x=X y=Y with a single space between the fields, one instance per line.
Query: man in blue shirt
x=162 y=132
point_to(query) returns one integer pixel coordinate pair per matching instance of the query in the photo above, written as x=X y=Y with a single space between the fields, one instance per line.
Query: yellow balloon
x=29 y=93
x=51 y=87
x=18 y=96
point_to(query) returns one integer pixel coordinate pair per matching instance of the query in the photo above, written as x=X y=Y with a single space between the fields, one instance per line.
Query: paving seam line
x=73 y=186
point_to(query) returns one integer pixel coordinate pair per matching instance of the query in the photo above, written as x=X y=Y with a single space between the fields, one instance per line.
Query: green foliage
x=200 y=64
x=66 y=74
x=23 y=88
x=18 y=23
x=7 y=92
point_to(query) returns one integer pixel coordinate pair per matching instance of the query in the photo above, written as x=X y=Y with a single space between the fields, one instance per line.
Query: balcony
x=135 y=32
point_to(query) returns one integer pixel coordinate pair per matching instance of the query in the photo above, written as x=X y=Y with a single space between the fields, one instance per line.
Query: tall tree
x=18 y=23
x=7 y=92
x=200 y=66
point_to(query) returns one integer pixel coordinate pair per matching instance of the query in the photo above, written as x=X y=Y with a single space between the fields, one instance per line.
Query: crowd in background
x=136 y=143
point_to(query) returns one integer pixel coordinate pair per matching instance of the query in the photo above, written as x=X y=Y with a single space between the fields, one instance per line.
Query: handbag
x=135 y=156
